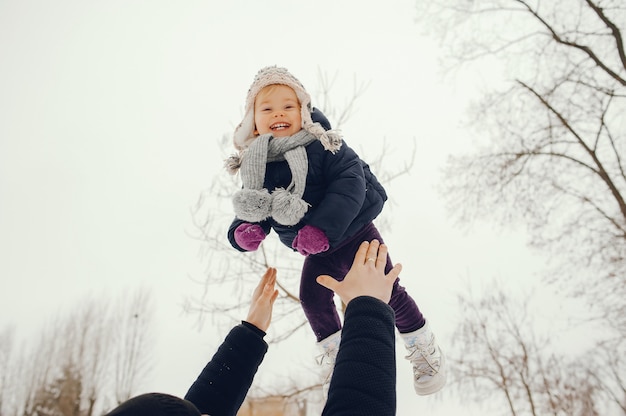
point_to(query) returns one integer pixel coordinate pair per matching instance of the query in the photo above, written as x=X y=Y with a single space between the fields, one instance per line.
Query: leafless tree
x=554 y=133
x=7 y=336
x=132 y=335
x=237 y=273
x=37 y=367
x=551 y=140
x=505 y=362
x=83 y=362
x=61 y=396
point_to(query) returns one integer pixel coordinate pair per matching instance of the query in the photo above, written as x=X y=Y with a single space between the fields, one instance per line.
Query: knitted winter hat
x=271 y=75
x=155 y=404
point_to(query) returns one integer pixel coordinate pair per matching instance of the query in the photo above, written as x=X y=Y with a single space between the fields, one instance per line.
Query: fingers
x=265 y=287
x=376 y=255
x=263 y=298
x=269 y=281
x=382 y=253
x=327 y=281
x=372 y=250
x=269 y=291
x=394 y=273
x=378 y=252
x=361 y=253
x=274 y=296
x=269 y=277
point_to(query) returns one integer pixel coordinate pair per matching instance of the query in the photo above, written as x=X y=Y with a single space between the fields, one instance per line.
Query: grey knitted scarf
x=254 y=203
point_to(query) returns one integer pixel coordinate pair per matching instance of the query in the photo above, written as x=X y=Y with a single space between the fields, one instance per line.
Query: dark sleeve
x=236 y=223
x=344 y=195
x=224 y=382
x=364 y=378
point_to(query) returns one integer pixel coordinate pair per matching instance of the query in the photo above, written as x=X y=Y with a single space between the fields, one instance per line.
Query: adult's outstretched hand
x=367 y=276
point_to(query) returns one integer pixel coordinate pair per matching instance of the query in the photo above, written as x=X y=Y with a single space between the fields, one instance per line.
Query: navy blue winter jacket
x=344 y=195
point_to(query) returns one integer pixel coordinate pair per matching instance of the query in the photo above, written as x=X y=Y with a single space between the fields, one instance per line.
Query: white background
x=110 y=115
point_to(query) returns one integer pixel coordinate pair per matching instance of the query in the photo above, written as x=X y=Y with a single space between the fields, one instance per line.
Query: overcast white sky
x=110 y=113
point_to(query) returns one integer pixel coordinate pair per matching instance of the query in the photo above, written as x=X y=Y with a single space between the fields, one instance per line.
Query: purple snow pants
x=317 y=301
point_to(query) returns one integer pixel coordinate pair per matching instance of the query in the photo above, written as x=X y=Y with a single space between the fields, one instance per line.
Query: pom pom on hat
x=272 y=75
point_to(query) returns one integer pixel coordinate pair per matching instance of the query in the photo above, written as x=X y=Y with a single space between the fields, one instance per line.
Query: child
x=301 y=180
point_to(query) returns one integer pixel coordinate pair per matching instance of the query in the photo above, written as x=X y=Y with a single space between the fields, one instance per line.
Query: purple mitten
x=310 y=240
x=249 y=236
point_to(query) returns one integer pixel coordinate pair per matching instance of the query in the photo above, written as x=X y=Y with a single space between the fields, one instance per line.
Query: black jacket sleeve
x=364 y=378
x=224 y=382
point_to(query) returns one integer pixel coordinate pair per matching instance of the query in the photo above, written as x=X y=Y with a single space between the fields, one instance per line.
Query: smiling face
x=277 y=111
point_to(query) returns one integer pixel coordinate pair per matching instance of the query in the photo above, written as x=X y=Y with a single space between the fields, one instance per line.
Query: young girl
x=301 y=180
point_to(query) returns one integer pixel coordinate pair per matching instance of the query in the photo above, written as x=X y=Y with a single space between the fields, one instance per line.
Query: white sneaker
x=429 y=366
x=329 y=348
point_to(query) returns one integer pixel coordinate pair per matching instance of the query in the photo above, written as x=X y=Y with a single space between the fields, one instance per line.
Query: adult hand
x=263 y=297
x=367 y=276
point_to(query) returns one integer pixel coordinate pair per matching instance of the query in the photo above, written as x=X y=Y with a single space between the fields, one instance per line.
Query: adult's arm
x=364 y=378
x=221 y=387
x=224 y=382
